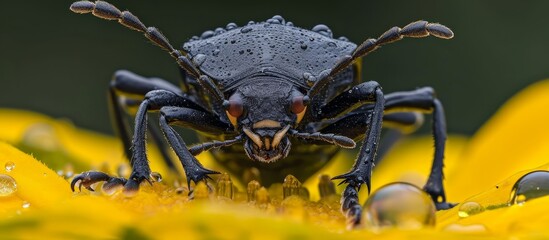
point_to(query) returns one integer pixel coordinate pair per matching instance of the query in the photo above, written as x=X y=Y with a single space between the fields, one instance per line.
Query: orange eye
x=298 y=105
x=234 y=108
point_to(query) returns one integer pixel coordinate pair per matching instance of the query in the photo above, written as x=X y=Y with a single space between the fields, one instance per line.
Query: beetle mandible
x=271 y=86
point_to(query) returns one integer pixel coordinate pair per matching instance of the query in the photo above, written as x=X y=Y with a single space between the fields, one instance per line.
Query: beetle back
x=263 y=48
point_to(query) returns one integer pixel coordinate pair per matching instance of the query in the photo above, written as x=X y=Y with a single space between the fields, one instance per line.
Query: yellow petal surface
x=480 y=171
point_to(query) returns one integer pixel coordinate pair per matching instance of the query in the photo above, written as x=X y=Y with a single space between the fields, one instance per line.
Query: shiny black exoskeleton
x=292 y=96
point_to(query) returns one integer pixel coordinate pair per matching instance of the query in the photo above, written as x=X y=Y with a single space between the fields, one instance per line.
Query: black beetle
x=272 y=86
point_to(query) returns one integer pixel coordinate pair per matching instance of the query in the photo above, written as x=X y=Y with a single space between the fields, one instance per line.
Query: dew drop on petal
x=26 y=204
x=530 y=186
x=399 y=205
x=7 y=185
x=9 y=166
x=470 y=208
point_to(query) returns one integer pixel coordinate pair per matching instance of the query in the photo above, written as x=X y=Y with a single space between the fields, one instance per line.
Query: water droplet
x=219 y=31
x=207 y=34
x=7 y=185
x=156 y=176
x=530 y=186
x=303 y=46
x=216 y=52
x=399 y=205
x=245 y=29
x=332 y=44
x=279 y=18
x=241 y=52
x=343 y=39
x=9 y=166
x=199 y=59
x=273 y=21
x=231 y=26
x=323 y=29
x=26 y=204
x=470 y=208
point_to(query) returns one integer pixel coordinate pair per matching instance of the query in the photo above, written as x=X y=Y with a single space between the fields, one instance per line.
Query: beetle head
x=265 y=110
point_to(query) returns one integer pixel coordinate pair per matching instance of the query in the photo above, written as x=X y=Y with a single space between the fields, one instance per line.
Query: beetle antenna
x=197 y=149
x=338 y=140
x=418 y=29
x=105 y=10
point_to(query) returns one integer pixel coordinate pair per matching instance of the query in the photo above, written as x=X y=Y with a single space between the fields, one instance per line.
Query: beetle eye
x=235 y=107
x=298 y=105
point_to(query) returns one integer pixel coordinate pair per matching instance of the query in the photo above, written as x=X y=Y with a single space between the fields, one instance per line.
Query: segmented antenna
x=418 y=29
x=107 y=11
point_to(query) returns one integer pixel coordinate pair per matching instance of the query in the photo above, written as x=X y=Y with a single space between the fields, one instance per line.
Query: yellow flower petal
x=514 y=139
x=36 y=183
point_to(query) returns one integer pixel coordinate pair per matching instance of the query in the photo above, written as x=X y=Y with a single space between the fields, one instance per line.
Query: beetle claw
x=198 y=174
x=86 y=179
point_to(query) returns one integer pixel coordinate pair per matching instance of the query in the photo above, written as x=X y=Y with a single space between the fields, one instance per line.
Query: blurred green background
x=59 y=63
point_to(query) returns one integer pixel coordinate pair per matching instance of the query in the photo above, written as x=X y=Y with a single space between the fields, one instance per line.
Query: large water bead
x=532 y=185
x=399 y=205
x=7 y=185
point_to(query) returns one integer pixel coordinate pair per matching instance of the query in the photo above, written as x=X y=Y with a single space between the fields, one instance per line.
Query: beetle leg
x=200 y=121
x=424 y=100
x=362 y=169
x=402 y=112
x=125 y=93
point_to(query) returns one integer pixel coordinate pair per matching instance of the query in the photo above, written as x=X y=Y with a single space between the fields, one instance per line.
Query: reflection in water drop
x=26 y=204
x=7 y=185
x=400 y=205
x=532 y=185
x=9 y=166
x=470 y=208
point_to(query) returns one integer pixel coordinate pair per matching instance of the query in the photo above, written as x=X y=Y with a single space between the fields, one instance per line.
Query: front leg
x=362 y=169
x=153 y=101
x=199 y=121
